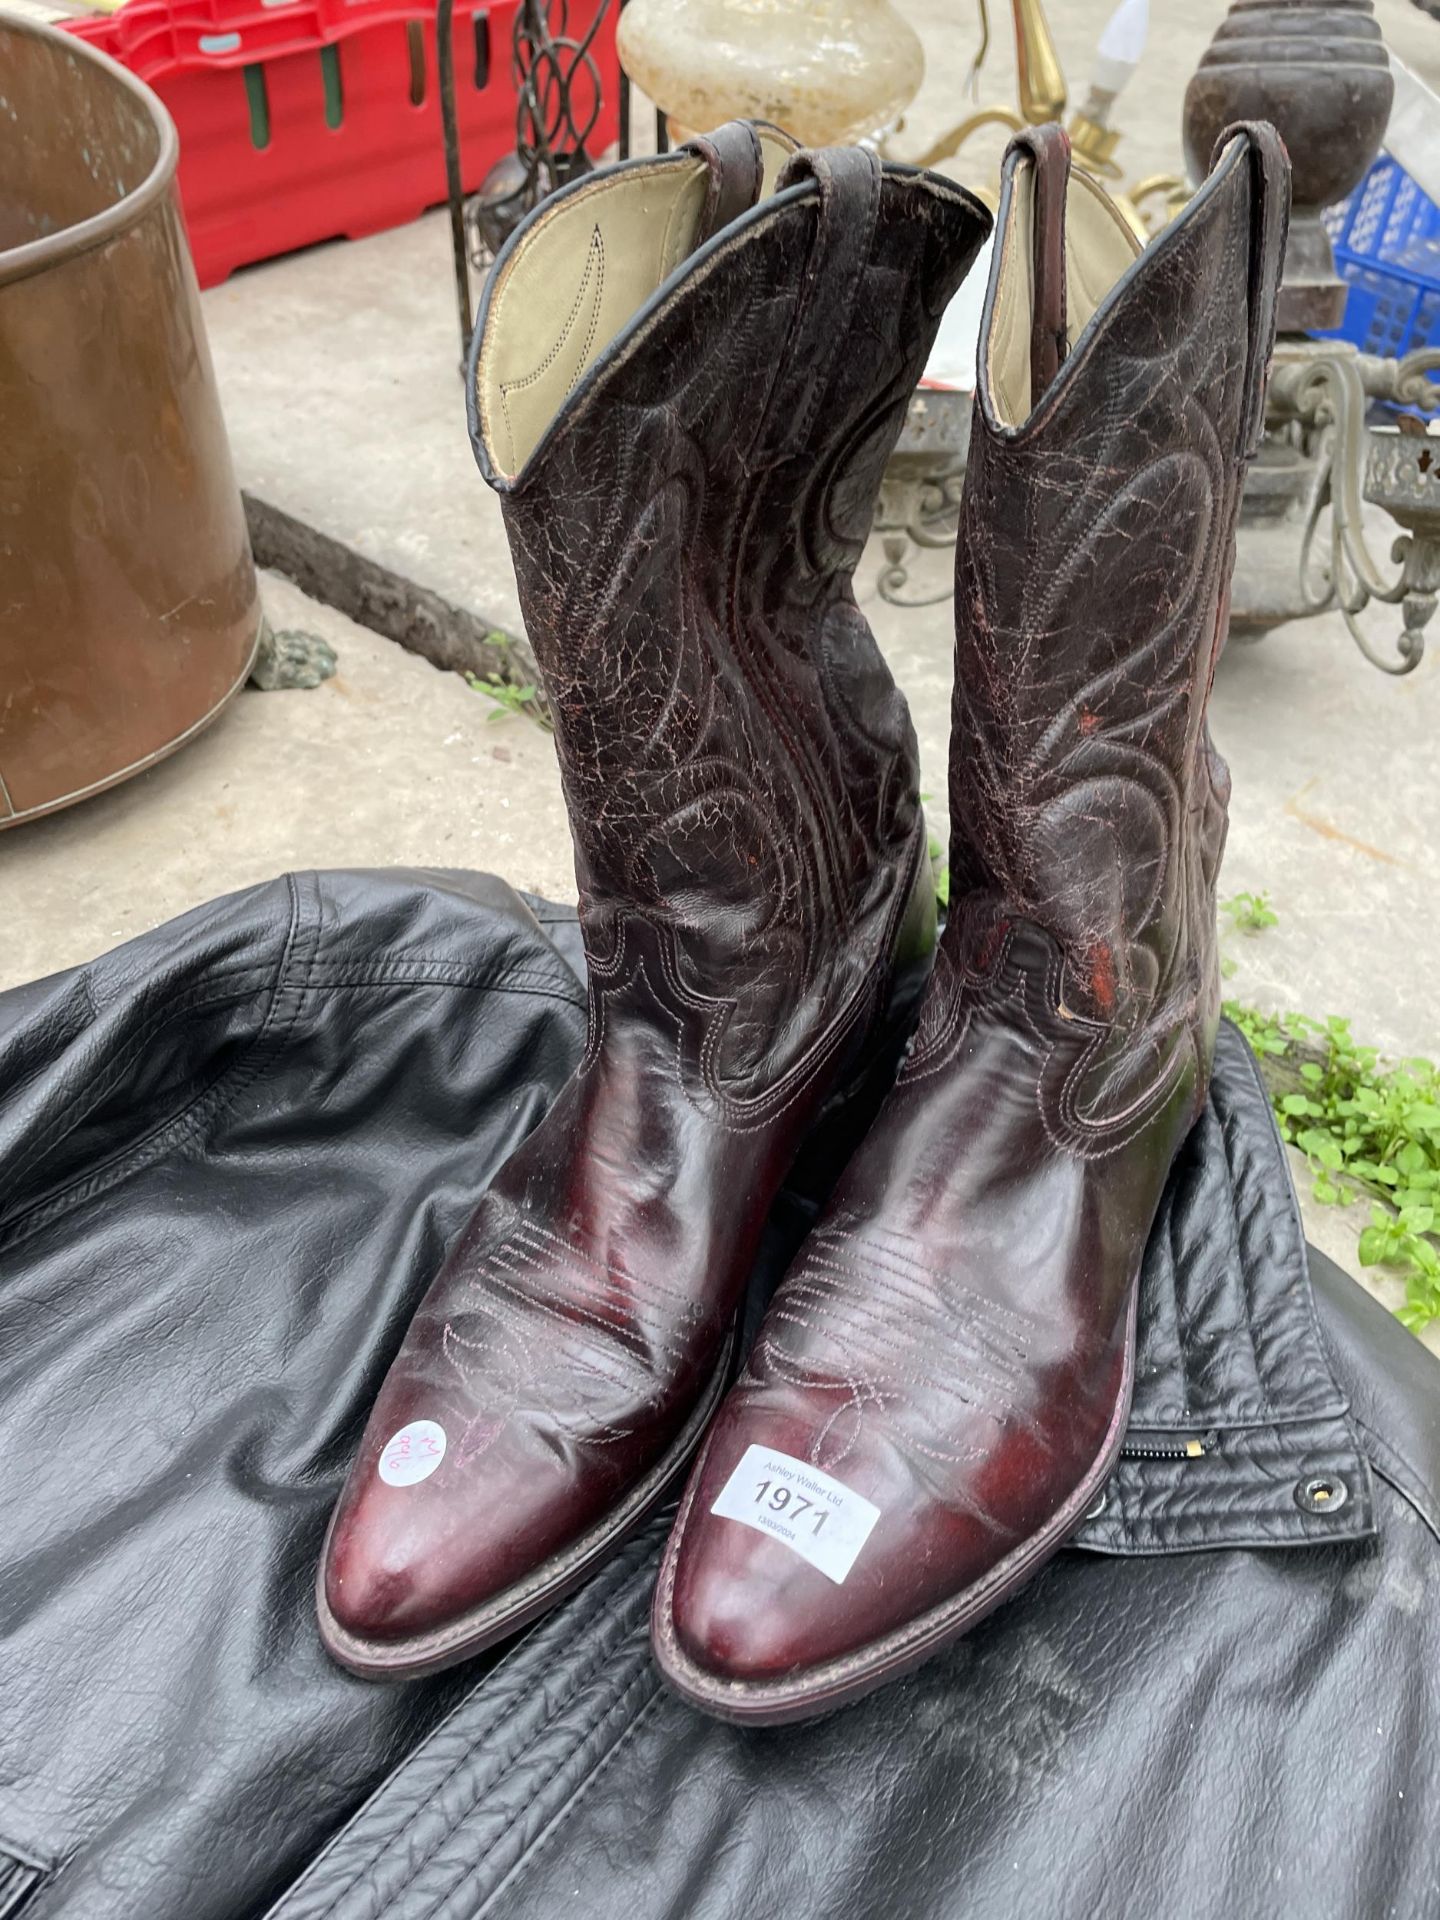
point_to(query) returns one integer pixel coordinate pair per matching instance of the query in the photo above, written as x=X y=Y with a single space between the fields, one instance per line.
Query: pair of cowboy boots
x=688 y=373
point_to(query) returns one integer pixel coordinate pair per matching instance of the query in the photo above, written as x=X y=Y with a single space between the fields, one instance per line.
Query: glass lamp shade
x=827 y=71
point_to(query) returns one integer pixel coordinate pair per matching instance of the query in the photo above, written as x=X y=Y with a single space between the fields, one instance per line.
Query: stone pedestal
x=1318 y=71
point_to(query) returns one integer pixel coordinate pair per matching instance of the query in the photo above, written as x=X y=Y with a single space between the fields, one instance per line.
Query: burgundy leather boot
x=942 y=1381
x=684 y=394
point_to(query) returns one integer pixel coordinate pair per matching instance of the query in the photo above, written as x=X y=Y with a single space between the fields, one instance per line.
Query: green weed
x=1366 y=1130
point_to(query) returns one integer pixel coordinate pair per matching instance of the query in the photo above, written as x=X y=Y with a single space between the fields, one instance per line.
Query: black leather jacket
x=230 y=1155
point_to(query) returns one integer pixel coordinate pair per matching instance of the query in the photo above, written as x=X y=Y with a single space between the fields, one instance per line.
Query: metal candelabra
x=1330 y=466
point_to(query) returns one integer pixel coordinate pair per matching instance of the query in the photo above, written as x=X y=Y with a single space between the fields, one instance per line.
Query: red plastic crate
x=309 y=119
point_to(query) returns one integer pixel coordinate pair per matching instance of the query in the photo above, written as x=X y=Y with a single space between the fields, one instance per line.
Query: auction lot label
x=818 y=1517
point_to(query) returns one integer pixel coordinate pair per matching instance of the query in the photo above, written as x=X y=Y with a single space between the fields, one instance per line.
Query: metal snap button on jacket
x=685 y=394
x=945 y=1374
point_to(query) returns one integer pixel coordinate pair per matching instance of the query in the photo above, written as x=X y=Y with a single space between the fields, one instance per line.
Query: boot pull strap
x=1269 y=226
x=776 y=137
x=737 y=169
x=1049 y=150
x=849 y=202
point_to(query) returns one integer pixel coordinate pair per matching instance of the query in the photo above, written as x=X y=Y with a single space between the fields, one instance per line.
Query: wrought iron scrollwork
x=560 y=88
x=915 y=510
x=919 y=504
x=1326 y=393
x=560 y=91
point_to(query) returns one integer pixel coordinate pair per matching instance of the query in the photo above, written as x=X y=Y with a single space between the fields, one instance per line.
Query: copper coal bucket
x=128 y=605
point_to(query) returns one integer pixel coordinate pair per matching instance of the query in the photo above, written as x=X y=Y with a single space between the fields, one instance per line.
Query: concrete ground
x=339 y=373
x=390 y=763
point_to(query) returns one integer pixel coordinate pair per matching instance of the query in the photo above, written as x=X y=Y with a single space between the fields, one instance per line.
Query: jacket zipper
x=1189 y=1449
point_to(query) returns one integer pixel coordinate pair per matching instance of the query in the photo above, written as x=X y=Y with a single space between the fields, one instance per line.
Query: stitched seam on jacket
x=1154 y=1546
x=234 y=988
x=417 y=969
x=40 y=1212
x=1338 y=1410
x=1295 y=1250
x=190 y=1116
x=496 y=1773
x=540 y=990
x=489 y=1776
x=1416 y=1496
x=532 y=1853
x=210 y=1100
x=468 y=1867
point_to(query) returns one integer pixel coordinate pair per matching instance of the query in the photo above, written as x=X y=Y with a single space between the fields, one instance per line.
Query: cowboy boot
x=685 y=395
x=941 y=1384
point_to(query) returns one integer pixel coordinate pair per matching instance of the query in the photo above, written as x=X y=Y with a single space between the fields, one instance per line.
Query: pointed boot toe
x=525 y=1429
x=833 y=1535
x=743 y=1625
x=739 y=1624
x=413 y=1576
x=385 y=1576
x=417 y=1575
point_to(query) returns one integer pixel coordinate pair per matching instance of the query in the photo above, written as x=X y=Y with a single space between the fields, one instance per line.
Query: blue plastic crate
x=1387 y=246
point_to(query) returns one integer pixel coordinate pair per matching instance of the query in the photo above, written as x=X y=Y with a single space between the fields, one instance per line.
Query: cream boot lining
x=570 y=286
x=1099 y=248
x=580 y=274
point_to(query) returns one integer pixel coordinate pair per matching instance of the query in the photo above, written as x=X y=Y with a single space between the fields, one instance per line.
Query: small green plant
x=1365 y=1130
x=508 y=698
x=1250 y=912
x=942 y=872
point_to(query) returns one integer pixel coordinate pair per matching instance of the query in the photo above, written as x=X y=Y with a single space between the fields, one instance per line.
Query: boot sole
x=517 y=1606
x=823 y=1689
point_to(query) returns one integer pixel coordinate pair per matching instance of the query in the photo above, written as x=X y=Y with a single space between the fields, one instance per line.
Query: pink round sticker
x=412 y=1454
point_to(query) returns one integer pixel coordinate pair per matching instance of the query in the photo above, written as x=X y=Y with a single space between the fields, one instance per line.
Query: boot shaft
x=1120 y=397
x=685 y=505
